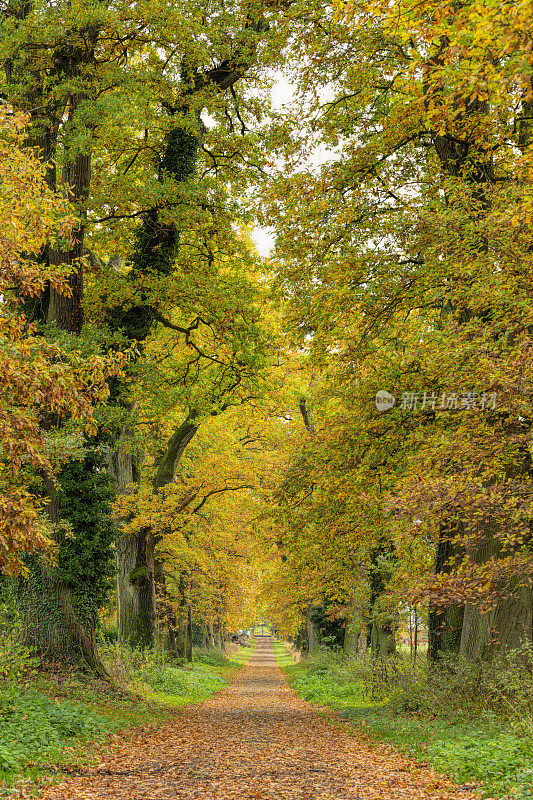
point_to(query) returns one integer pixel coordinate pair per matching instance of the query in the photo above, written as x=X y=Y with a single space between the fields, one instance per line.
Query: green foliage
x=138 y=574
x=163 y=678
x=152 y=674
x=85 y=555
x=16 y=660
x=180 y=154
x=108 y=632
x=502 y=761
x=156 y=242
x=327 y=678
x=195 y=681
x=92 y=710
x=469 y=721
x=212 y=656
x=461 y=689
x=331 y=628
x=32 y=726
x=83 y=561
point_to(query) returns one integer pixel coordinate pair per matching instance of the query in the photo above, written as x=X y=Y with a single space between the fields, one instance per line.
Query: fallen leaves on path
x=255 y=739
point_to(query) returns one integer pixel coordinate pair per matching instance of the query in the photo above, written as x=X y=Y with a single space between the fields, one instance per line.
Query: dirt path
x=255 y=739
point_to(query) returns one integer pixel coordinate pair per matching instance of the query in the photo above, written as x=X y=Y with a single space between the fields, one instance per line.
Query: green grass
x=59 y=720
x=495 y=753
x=283 y=656
x=179 y=686
x=191 y=683
x=330 y=684
x=53 y=722
x=500 y=761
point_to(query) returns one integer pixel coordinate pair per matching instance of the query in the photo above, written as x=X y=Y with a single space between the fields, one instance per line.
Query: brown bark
x=188 y=647
x=382 y=640
x=51 y=623
x=136 y=593
x=444 y=624
x=136 y=605
x=210 y=633
x=352 y=631
x=508 y=624
x=66 y=310
x=313 y=632
x=73 y=637
x=168 y=622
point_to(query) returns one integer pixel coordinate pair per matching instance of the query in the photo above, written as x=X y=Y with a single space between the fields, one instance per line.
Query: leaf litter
x=256 y=740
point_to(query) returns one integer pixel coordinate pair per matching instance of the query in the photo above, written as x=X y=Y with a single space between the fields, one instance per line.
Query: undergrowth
x=49 y=720
x=471 y=722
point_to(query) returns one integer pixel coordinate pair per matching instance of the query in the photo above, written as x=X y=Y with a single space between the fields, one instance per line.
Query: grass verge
x=494 y=753
x=55 y=721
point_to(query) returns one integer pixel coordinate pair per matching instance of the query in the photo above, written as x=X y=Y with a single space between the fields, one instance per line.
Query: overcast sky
x=282 y=93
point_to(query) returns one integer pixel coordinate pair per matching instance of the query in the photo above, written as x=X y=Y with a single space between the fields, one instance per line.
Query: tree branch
x=220 y=491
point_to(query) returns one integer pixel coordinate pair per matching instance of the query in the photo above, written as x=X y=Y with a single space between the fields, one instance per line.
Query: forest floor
x=474 y=727
x=55 y=720
x=255 y=739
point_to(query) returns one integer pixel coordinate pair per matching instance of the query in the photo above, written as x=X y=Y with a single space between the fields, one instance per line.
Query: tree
x=211 y=364
x=400 y=256
x=39 y=380
x=115 y=107
x=202 y=523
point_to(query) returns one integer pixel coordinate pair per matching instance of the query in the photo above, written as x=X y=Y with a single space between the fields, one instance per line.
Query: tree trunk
x=382 y=639
x=50 y=622
x=352 y=631
x=210 y=633
x=136 y=607
x=136 y=595
x=188 y=646
x=444 y=631
x=511 y=624
x=168 y=622
x=444 y=624
x=136 y=598
x=66 y=310
x=415 y=643
x=168 y=462
x=313 y=633
x=383 y=622
x=183 y=628
x=508 y=624
x=51 y=625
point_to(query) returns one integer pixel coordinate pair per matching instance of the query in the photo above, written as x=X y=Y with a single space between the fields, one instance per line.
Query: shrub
x=122 y=663
x=211 y=655
x=32 y=725
x=457 y=688
x=133 y=668
x=508 y=682
x=17 y=662
x=165 y=679
x=108 y=633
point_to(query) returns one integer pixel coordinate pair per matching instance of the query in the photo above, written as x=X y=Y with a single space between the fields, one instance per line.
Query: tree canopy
x=341 y=431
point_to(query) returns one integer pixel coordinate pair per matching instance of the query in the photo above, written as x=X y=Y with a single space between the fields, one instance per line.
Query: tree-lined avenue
x=255 y=739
